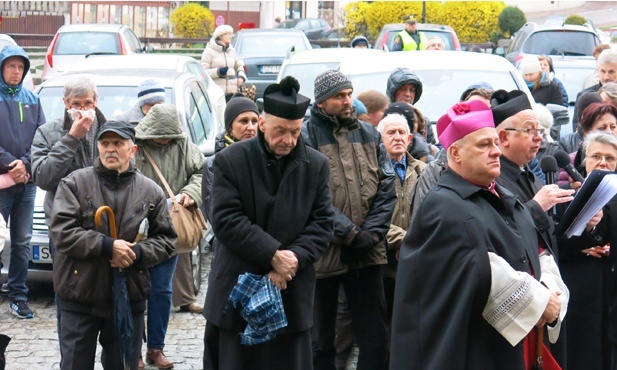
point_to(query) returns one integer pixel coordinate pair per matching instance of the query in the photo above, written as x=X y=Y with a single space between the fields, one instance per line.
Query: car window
x=134 y=43
x=316 y=24
x=197 y=70
x=561 y=43
x=304 y=25
x=272 y=45
x=83 y=43
x=287 y=24
x=445 y=36
x=112 y=101
x=200 y=113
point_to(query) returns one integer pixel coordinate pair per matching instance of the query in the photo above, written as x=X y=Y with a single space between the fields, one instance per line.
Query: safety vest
x=408 y=42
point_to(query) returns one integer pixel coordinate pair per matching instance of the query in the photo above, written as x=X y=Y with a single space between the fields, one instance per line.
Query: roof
x=134 y=61
x=270 y=30
x=116 y=77
x=330 y=55
x=421 y=26
x=91 y=27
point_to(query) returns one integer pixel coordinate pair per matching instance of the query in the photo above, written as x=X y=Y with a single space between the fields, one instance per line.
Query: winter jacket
x=571 y=142
x=216 y=56
x=221 y=141
x=55 y=154
x=548 y=92
x=180 y=161
x=400 y=77
x=564 y=93
x=20 y=116
x=427 y=180
x=82 y=271
x=595 y=88
x=362 y=186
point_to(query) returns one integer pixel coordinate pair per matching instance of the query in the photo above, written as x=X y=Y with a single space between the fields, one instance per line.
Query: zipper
x=139 y=211
x=21 y=113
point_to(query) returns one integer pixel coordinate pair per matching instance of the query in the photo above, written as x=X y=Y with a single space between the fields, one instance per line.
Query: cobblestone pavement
x=34 y=343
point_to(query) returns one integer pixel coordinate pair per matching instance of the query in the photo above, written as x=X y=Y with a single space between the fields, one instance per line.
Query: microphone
x=563 y=161
x=548 y=164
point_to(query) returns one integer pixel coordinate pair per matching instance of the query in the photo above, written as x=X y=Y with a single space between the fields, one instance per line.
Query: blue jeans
x=17 y=207
x=159 y=302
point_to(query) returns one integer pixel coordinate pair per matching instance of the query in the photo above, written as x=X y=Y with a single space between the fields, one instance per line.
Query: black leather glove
x=359 y=248
x=222 y=71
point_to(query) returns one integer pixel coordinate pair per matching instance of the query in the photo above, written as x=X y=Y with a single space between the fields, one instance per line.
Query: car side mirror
x=500 y=50
x=260 y=104
x=148 y=49
x=315 y=46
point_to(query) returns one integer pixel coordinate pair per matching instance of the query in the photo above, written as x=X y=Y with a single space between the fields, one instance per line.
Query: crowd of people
x=352 y=226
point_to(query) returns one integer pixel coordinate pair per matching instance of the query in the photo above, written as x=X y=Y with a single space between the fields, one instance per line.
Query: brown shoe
x=192 y=308
x=140 y=364
x=157 y=357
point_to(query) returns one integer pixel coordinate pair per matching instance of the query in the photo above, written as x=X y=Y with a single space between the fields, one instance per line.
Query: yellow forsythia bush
x=192 y=20
x=473 y=21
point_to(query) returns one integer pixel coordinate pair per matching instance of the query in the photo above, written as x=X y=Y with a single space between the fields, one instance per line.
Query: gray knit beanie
x=329 y=83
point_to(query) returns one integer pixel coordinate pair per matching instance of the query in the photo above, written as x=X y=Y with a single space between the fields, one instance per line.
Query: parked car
x=178 y=63
x=263 y=52
x=313 y=28
x=444 y=75
x=117 y=91
x=571 y=48
x=8 y=40
x=385 y=40
x=74 y=42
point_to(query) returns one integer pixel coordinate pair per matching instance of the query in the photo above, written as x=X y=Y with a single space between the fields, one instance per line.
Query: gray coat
x=55 y=154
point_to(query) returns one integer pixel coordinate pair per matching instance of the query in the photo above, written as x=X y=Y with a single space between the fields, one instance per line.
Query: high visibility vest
x=409 y=44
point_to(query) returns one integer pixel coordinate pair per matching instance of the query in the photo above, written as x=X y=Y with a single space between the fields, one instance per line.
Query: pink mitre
x=461 y=120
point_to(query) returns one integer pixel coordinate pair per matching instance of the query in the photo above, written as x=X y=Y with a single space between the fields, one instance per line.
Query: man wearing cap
x=520 y=136
x=409 y=39
x=149 y=93
x=465 y=295
x=65 y=144
x=20 y=116
x=85 y=253
x=359 y=42
x=272 y=215
x=362 y=183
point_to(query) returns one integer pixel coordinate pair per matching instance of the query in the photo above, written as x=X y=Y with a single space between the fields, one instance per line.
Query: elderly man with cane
x=86 y=254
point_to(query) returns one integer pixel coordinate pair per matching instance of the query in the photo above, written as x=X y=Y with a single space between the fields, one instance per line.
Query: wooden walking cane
x=112 y=219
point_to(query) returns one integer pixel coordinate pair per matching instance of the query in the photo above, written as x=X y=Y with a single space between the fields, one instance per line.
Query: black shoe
x=21 y=309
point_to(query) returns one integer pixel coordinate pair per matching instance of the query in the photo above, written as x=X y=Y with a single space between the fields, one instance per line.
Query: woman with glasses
x=586 y=269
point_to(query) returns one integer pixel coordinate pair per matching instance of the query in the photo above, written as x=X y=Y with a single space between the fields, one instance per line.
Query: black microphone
x=548 y=164
x=563 y=161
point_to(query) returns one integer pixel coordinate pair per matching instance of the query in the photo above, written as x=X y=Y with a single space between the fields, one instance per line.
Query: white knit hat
x=221 y=30
x=530 y=64
x=150 y=92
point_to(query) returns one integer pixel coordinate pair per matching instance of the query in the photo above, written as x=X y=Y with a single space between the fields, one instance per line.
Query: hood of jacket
x=212 y=44
x=13 y=51
x=400 y=77
x=160 y=123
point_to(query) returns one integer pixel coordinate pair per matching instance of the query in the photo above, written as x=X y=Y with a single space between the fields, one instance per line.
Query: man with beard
x=362 y=186
x=68 y=143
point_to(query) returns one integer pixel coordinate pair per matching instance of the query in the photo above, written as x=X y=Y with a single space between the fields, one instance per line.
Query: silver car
x=117 y=93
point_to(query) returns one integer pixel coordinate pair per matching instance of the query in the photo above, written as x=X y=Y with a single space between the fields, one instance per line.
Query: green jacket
x=180 y=161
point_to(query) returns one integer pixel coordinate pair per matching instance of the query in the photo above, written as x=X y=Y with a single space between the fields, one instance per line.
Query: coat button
x=75 y=272
x=524 y=259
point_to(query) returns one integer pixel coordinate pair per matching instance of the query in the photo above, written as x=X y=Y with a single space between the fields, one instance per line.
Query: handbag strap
x=158 y=172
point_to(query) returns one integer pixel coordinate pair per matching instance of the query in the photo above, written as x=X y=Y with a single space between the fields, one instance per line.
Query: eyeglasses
x=528 y=131
x=82 y=106
x=599 y=157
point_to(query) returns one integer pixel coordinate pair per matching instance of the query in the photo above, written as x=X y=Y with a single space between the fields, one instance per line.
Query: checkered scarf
x=261 y=305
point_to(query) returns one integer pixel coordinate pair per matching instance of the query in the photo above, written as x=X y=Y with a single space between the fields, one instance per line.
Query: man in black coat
x=465 y=295
x=520 y=137
x=272 y=215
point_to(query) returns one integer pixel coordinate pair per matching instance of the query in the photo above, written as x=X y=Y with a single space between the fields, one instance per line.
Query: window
x=83 y=43
x=199 y=113
x=132 y=40
x=277 y=45
x=566 y=43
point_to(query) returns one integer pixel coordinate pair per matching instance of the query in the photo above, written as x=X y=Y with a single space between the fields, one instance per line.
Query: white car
x=444 y=74
x=117 y=91
x=178 y=63
x=8 y=40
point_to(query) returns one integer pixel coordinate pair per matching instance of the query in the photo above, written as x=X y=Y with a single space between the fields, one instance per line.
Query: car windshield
x=445 y=36
x=271 y=45
x=440 y=88
x=83 y=43
x=564 y=42
x=112 y=101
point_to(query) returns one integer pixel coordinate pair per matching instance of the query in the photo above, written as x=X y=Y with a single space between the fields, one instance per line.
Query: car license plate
x=41 y=253
x=270 y=69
